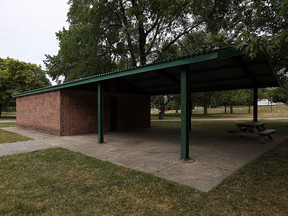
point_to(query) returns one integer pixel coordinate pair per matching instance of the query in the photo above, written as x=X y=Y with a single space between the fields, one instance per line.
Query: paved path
x=22 y=147
x=7 y=120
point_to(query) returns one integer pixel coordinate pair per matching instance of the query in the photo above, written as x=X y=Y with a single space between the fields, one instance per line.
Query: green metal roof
x=217 y=70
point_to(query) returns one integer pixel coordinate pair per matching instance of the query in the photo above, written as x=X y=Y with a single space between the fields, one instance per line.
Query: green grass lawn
x=8 y=137
x=214 y=113
x=7 y=124
x=239 y=112
x=221 y=126
x=61 y=182
x=8 y=115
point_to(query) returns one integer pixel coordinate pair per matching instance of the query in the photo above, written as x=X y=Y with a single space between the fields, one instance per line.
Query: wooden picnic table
x=258 y=128
x=251 y=127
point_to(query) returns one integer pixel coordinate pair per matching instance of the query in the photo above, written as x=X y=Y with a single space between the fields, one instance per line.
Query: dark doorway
x=113 y=113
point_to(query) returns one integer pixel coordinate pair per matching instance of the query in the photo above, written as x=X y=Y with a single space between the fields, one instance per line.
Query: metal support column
x=185 y=113
x=255 y=105
x=190 y=111
x=100 y=114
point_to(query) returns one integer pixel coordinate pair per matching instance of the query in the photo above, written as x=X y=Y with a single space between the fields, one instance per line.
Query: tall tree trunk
x=162 y=108
x=249 y=109
x=205 y=104
x=128 y=35
x=177 y=109
x=205 y=110
x=0 y=110
x=225 y=109
x=231 y=109
x=142 y=43
x=142 y=35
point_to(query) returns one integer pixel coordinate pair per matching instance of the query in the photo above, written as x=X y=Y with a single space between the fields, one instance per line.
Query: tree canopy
x=112 y=34
x=260 y=26
x=17 y=76
x=116 y=34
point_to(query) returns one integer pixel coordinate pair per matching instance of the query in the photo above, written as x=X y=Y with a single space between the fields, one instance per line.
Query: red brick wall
x=71 y=112
x=78 y=112
x=39 y=111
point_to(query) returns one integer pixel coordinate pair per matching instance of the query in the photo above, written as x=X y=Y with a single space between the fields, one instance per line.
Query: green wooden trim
x=185 y=113
x=100 y=114
x=188 y=60
x=133 y=71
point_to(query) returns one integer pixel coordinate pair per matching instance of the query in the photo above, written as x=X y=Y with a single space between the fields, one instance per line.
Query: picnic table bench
x=258 y=128
x=267 y=132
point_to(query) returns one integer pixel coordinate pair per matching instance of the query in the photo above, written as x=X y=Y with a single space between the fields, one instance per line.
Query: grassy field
x=8 y=137
x=172 y=119
x=239 y=112
x=280 y=126
x=7 y=124
x=60 y=182
x=262 y=110
x=8 y=116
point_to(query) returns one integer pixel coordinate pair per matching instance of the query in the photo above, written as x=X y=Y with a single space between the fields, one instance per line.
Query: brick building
x=71 y=112
x=121 y=100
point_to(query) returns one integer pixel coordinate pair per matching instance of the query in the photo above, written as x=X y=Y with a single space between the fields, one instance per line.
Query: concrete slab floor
x=214 y=156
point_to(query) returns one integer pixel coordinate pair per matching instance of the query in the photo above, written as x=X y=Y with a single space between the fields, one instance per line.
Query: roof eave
x=138 y=70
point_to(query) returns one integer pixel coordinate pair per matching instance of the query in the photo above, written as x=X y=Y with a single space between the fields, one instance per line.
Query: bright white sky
x=27 y=29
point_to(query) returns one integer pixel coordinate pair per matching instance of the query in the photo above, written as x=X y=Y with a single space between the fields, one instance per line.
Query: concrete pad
x=196 y=175
x=214 y=156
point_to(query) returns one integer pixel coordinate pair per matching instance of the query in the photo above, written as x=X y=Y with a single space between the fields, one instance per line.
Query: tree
x=203 y=99
x=112 y=34
x=280 y=94
x=161 y=101
x=17 y=76
x=231 y=98
x=257 y=26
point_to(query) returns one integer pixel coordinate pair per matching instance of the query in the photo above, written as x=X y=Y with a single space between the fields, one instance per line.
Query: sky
x=27 y=29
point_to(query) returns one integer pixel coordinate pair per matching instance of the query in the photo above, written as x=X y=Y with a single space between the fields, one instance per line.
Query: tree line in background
x=18 y=76
x=227 y=99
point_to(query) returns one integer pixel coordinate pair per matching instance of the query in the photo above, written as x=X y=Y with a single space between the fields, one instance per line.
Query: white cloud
x=27 y=30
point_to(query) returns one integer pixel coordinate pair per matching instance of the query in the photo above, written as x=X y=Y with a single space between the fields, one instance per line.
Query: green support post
x=100 y=114
x=255 y=105
x=185 y=113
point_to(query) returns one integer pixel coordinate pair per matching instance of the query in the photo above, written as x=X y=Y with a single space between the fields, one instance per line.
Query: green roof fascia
x=228 y=53
x=152 y=67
